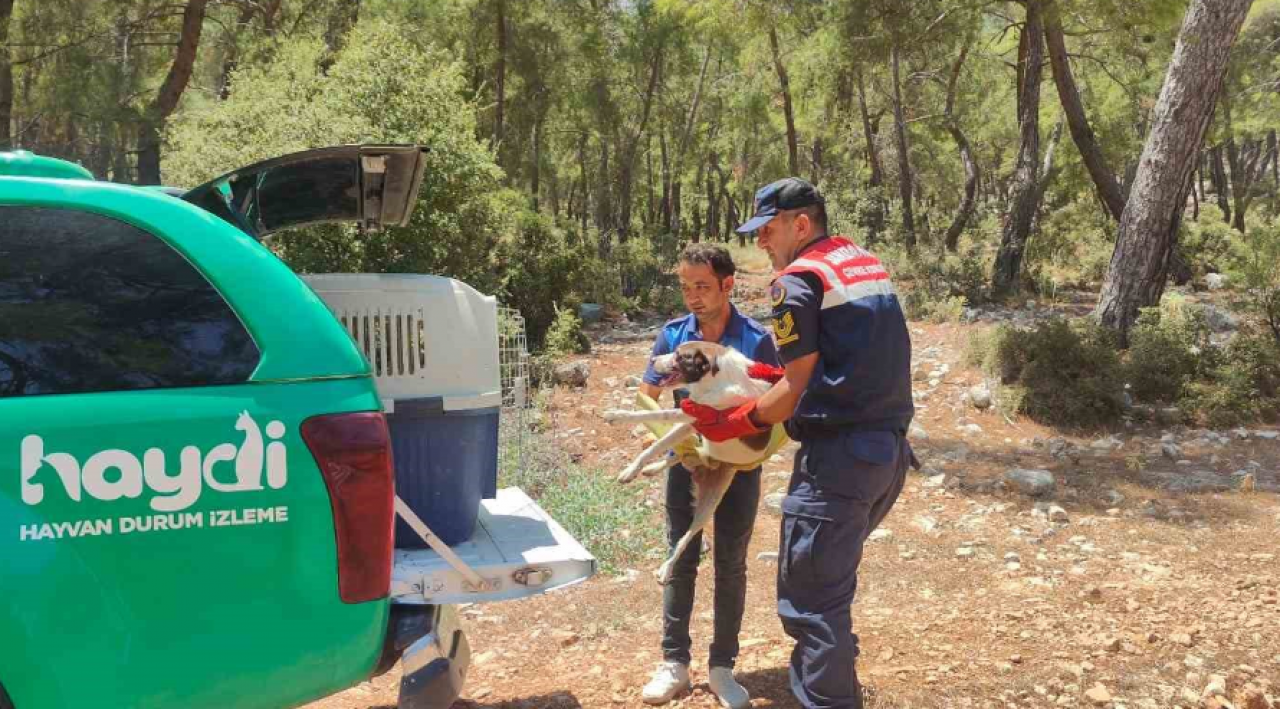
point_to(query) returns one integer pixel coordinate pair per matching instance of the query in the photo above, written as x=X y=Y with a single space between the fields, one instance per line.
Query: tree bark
x=875 y=221
x=341 y=21
x=500 y=74
x=793 y=154
x=682 y=150
x=724 y=191
x=152 y=125
x=1148 y=228
x=1026 y=182
x=6 y=77
x=971 y=174
x=904 y=155
x=537 y=162
x=627 y=158
x=1104 y=179
x=1275 y=156
x=1219 y=179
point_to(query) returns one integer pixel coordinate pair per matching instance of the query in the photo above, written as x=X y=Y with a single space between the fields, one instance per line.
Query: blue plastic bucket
x=445 y=463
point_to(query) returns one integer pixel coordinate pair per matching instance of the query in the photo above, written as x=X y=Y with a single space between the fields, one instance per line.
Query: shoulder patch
x=784 y=329
x=777 y=294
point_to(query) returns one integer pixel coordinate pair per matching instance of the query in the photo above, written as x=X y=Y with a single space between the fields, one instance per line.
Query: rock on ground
x=572 y=373
x=1035 y=483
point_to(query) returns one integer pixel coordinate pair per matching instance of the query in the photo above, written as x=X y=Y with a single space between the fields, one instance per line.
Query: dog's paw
x=612 y=415
x=654 y=468
x=664 y=364
x=628 y=474
x=665 y=571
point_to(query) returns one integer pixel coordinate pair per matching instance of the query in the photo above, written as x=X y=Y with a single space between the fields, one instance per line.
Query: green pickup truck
x=196 y=477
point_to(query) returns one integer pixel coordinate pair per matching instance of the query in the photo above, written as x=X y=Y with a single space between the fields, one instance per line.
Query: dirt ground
x=1146 y=578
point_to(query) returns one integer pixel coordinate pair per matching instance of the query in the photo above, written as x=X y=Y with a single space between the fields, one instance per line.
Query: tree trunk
x=1195 y=199
x=1275 y=155
x=341 y=21
x=1219 y=179
x=665 y=210
x=815 y=162
x=500 y=74
x=1026 y=182
x=732 y=222
x=683 y=149
x=793 y=154
x=713 y=207
x=627 y=158
x=875 y=220
x=971 y=173
x=152 y=126
x=582 y=172
x=6 y=77
x=1104 y=179
x=604 y=199
x=1148 y=229
x=537 y=162
x=1239 y=181
x=904 y=156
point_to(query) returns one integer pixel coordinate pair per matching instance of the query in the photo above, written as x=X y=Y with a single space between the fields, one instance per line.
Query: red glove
x=721 y=424
x=767 y=372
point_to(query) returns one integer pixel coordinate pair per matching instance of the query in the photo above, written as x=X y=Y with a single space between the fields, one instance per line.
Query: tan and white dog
x=715 y=376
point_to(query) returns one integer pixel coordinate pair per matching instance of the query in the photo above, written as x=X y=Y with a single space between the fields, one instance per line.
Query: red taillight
x=354 y=454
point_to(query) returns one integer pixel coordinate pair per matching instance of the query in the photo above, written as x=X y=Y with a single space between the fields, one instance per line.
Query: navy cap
x=787 y=193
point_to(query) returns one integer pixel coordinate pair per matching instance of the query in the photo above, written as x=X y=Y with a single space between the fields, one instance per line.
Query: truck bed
x=517 y=548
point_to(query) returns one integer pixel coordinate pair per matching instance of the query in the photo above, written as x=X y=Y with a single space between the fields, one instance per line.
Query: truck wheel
x=4 y=699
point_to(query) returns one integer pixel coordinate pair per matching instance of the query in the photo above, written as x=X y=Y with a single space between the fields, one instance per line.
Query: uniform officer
x=846 y=396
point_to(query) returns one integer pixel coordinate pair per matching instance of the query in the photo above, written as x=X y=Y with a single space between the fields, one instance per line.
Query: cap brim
x=755 y=223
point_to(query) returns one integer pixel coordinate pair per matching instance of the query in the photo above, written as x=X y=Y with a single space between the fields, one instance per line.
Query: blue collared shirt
x=741 y=333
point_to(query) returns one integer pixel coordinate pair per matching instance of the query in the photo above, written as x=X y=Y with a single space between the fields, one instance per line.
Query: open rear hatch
x=518 y=549
x=374 y=186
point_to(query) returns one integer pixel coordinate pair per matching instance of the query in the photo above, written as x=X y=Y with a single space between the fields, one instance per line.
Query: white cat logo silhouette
x=173 y=493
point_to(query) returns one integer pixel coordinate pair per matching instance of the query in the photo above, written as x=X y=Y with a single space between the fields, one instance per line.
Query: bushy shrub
x=1243 y=384
x=543 y=268
x=383 y=87
x=565 y=336
x=937 y=286
x=1058 y=373
x=1169 y=348
x=1073 y=246
x=1206 y=243
x=1255 y=264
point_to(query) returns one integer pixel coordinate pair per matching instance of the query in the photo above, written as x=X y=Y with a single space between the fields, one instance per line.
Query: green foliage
x=565 y=337
x=542 y=268
x=609 y=519
x=1059 y=373
x=1256 y=266
x=936 y=285
x=1169 y=348
x=381 y=88
x=1243 y=385
x=1206 y=242
x=1072 y=248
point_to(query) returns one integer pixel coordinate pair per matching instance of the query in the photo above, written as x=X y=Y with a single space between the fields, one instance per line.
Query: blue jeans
x=735 y=519
x=841 y=488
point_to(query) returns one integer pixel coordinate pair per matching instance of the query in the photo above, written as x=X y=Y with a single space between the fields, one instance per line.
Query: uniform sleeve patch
x=784 y=329
x=777 y=294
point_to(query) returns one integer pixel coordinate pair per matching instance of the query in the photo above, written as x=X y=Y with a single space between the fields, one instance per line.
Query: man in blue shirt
x=706 y=274
x=846 y=396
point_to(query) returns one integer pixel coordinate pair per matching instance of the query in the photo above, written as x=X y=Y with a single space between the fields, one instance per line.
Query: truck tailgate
x=517 y=548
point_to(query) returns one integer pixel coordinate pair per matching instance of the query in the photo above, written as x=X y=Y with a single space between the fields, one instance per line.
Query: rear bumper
x=433 y=652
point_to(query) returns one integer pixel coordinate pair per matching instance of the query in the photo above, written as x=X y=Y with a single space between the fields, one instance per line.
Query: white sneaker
x=731 y=694
x=670 y=679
